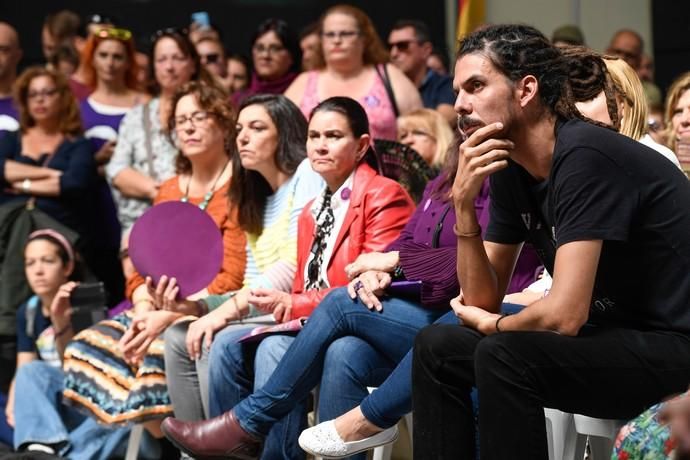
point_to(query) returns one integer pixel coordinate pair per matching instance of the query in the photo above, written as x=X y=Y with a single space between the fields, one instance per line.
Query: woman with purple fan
x=115 y=368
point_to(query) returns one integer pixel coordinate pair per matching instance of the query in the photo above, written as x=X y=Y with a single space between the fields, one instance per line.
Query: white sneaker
x=323 y=440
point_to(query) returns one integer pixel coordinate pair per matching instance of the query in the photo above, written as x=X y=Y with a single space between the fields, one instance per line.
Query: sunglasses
x=99 y=19
x=402 y=45
x=167 y=32
x=114 y=32
x=211 y=58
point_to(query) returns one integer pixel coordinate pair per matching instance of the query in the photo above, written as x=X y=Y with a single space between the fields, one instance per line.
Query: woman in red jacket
x=358 y=212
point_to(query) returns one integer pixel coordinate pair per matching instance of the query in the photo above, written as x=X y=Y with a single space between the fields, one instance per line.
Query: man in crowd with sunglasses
x=410 y=45
x=212 y=57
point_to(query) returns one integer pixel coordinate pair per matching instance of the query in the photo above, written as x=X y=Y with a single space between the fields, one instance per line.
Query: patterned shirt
x=131 y=152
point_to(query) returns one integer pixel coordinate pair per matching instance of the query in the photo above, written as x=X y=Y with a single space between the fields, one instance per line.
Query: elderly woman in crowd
x=427 y=132
x=125 y=382
x=144 y=157
x=276 y=57
x=356 y=333
x=677 y=115
x=353 y=62
x=357 y=212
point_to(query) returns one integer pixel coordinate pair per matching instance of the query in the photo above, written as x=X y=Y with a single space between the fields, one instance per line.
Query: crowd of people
x=545 y=265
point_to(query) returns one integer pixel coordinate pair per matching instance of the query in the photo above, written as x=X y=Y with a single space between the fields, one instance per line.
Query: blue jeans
x=41 y=417
x=236 y=369
x=390 y=332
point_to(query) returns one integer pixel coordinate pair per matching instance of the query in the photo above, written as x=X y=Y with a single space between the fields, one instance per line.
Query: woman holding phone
x=42 y=423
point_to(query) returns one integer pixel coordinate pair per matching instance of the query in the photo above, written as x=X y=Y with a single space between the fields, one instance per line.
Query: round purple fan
x=177 y=239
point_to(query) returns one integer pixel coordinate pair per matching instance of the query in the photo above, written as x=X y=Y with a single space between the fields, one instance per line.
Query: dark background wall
x=237 y=19
x=671 y=28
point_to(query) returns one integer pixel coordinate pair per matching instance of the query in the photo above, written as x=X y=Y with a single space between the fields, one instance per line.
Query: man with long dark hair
x=609 y=219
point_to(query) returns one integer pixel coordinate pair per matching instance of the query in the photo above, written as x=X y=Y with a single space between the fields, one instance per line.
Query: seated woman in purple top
x=356 y=336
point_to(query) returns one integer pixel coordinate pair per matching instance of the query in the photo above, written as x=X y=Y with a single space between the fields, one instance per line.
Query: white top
x=340 y=206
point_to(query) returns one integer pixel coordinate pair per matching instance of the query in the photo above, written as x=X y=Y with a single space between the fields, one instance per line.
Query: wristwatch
x=26 y=185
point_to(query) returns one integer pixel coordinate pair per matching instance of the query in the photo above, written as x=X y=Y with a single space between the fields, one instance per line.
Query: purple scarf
x=258 y=86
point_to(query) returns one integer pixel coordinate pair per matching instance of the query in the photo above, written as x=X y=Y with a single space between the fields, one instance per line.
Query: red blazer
x=379 y=209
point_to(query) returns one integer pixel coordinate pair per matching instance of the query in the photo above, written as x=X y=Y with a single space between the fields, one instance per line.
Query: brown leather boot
x=219 y=437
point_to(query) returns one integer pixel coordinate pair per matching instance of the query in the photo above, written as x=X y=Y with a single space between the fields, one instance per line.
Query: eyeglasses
x=42 y=93
x=197 y=118
x=654 y=125
x=270 y=49
x=340 y=35
x=402 y=45
x=113 y=32
x=211 y=58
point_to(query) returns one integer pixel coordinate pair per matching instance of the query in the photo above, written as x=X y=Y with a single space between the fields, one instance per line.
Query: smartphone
x=202 y=18
x=88 y=302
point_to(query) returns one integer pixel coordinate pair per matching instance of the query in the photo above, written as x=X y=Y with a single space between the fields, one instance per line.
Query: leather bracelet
x=498 y=320
x=237 y=308
x=460 y=234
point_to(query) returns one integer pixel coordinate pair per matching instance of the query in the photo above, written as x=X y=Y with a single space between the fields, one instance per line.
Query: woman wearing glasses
x=144 y=157
x=129 y=385
x=276 y=57
x=427 y=132
x=47 y=163
x=353 y=62
x=357 y=212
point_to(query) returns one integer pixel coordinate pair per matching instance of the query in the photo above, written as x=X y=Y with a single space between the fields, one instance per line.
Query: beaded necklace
x=209 y=194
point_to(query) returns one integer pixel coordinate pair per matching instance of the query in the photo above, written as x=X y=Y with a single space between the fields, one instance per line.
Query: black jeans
x=603 y=372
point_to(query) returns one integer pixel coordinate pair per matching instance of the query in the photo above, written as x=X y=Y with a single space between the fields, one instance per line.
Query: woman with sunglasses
x=276 y=58
x=353 y=62
x=144 y=157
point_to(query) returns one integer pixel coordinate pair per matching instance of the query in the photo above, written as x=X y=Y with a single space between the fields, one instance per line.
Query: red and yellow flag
x=471 y=14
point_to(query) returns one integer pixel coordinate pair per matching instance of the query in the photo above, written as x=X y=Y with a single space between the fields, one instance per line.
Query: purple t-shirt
x=9 y=117
x=101 y=122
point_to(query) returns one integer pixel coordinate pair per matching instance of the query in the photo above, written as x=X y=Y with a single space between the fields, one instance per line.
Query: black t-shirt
x=605 y=186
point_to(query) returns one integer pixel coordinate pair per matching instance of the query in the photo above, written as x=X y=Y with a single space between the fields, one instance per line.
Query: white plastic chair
x=568 y=434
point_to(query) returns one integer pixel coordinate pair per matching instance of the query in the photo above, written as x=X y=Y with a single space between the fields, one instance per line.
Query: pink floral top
x=376 y=103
